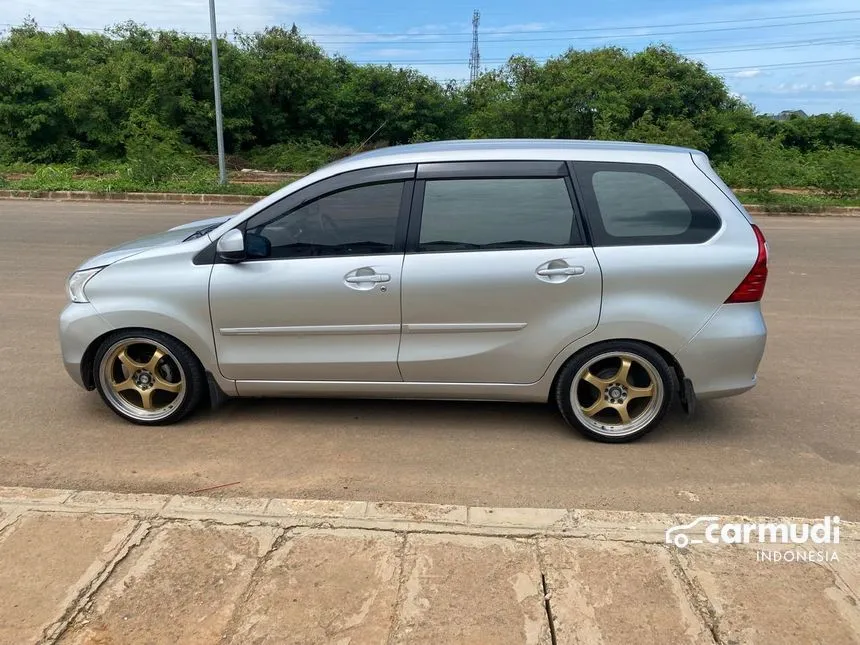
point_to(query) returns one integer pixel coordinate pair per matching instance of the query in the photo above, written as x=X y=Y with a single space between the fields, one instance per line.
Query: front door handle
x=374 y=277
x=366 y=279
x=561 y=271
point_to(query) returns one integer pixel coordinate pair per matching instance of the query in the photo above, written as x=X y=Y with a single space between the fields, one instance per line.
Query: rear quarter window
x=642 y=204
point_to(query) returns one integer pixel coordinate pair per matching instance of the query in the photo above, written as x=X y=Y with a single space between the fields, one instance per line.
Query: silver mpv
x=607 y=278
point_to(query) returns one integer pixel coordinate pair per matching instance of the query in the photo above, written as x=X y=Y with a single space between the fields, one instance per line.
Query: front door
x=325 y=306
x=497 y=278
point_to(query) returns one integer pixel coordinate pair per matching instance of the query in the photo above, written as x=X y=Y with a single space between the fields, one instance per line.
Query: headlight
x=77 y=281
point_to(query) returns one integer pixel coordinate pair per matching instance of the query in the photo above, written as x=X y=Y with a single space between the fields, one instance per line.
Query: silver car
x=607 y=278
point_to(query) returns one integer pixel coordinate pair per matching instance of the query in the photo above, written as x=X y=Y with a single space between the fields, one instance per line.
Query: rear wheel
x=147 y=378
x=615 y=391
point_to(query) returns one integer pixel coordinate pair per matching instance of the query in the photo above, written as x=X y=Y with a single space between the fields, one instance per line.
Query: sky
x=775 y=54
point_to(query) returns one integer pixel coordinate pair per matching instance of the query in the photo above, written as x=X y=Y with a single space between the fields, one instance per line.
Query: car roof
x=484 y=150
x=512 y=149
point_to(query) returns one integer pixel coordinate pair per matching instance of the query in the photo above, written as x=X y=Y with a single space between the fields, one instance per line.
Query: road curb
x=150 y=198
x=213 y=199
x=833 y=211
x=628 y=526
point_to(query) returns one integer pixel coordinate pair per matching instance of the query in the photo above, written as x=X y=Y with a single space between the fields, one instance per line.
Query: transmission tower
x=475 y=58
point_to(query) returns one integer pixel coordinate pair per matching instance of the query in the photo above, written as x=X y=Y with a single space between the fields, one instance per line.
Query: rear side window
x=638 y=204
x=510 y=213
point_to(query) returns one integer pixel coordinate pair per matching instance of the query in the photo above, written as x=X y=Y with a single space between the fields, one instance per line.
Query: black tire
x=192 y=376
x=638 y=352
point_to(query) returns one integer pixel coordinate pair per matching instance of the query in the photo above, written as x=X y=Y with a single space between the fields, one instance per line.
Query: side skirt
x=530 y=392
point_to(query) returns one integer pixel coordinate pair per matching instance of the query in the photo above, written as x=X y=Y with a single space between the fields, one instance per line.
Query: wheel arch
x=665 y=354
x=89 y=355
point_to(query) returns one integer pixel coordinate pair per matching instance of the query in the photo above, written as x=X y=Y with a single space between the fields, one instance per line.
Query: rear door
x=497 y=277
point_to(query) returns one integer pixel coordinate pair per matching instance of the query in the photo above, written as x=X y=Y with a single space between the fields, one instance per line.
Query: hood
x=174 y=235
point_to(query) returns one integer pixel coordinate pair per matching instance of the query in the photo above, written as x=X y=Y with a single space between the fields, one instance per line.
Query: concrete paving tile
x=848 y=569
x=181 y=585
x=525 y=518
x=850 y=531
x=206 y=507
x=772 y=602
x=470 y=589
x=612 y=592
x=102 y=501
x=416 y=512
x=624 y=525
x=20 y=494
x=45 y=562
x=848 y=565
x=324 y=586
x=315 y=508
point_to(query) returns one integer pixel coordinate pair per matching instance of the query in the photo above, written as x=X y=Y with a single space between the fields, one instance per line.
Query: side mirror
x=231 y=246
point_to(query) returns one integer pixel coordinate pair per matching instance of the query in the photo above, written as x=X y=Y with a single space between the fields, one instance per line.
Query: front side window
x=355 y=221
x=476 y=214
x=640 y=204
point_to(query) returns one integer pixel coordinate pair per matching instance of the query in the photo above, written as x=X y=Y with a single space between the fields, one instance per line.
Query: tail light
x=751 y=289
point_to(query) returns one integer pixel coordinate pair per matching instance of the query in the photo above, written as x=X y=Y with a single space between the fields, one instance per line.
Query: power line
x=593 y=29
x=809 y=63
x=781 y=45
x=605 y=36
x=418 y=35
x=764 y=47
x=812 y=63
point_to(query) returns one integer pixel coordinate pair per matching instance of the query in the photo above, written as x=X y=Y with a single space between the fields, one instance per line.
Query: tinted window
x=461 y=214
x=355 y=221
x=631 y=204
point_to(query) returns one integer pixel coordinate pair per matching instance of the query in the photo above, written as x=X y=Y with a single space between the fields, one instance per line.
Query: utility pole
x=475 y=58
x=216 y=79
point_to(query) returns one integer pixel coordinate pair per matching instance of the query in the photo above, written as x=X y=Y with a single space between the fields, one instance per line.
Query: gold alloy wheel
x=616 y=394
x=141 y=378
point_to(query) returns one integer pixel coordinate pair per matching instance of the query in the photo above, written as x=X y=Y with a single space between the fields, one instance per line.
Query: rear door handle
x=561 y=271
x=374 y=277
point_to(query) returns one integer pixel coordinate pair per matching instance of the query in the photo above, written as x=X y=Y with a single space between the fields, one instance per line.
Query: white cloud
x=181 y=15
x=854 y=81
x=515 y=28
x=747 y=73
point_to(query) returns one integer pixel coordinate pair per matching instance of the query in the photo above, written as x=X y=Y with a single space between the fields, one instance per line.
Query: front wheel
x=615 y=391
x=147 y=377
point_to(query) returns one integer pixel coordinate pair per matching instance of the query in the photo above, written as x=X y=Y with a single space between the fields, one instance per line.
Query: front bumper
x=723 y=357
x=80 y=325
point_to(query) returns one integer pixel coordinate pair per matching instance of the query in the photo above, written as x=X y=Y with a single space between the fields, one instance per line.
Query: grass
x=115 y=178
x=796 y=202
x=203 y=180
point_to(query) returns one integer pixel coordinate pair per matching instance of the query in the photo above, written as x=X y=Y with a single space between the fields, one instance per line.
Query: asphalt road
x=791 y=446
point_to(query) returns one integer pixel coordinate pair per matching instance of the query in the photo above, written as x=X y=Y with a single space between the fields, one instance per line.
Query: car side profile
x=608 y=278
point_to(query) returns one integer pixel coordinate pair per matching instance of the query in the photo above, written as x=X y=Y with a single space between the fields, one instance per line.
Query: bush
x=86 y=158
x=762 y=164
x=836 y=172
x=300 y=157
x=155 y=152
x=49 y=178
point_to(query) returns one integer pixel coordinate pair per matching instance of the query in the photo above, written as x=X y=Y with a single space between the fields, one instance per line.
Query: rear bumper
x=723 y=357
x=80 y=325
